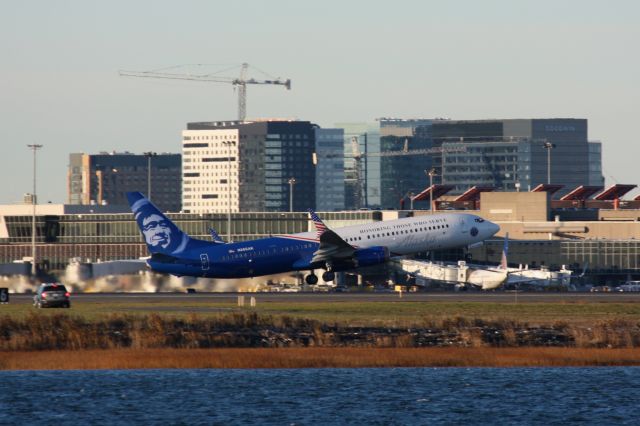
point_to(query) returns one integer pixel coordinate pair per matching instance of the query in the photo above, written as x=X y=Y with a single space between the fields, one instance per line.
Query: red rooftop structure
x=581 y=193
x=437 y=191
x=548 y=188
x=473 y=195
x=614 y=192
x=578 y=197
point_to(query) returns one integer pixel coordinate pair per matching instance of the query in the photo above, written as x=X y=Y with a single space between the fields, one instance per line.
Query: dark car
x=52 y=295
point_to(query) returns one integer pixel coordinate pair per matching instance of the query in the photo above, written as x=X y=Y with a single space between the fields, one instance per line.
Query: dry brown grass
x=317 y=358
x=37 y=332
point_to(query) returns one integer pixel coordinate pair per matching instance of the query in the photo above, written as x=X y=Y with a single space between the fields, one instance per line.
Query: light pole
x=292 y=181
x=34 y=148
x=548 y=146
x=149 y=154
x=228 y=145
x=431 y=173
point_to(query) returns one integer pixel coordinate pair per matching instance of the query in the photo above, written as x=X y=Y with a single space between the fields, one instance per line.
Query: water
x=322 y=396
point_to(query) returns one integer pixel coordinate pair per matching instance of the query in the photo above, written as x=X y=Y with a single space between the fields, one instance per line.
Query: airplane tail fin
x=161 y=235
x=505 y=251
x=320 y=226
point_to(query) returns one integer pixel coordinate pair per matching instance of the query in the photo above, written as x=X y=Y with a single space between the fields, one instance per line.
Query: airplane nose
x=493 y=228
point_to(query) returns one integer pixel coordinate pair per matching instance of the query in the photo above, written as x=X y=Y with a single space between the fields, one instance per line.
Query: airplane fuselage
x=374 y=243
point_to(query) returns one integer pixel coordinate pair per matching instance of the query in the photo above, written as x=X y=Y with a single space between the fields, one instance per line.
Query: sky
x=349 y=61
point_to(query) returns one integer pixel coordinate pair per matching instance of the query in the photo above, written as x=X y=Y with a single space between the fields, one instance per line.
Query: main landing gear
x=327 y=276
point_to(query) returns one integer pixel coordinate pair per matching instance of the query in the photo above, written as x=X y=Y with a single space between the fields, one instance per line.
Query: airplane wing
x=332 y=246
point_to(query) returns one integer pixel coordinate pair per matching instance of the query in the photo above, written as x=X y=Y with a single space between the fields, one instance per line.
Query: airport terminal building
x=101 y=233
x=605 y=242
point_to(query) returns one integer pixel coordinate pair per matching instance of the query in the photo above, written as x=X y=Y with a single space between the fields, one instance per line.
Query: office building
x=596 y=177
x=510 y=153
x=105 y=178
x=388 y=169
x=362 y=174
x=489 y=164
x=403 y=159
x=248 y=166
x=329 y=169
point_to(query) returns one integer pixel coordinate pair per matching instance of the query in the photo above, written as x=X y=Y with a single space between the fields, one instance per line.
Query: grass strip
x=316 y=358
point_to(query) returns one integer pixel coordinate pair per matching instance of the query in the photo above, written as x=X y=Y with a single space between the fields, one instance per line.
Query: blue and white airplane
x=174 y=252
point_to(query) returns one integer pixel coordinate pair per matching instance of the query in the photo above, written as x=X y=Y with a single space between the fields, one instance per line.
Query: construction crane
x=239 y=82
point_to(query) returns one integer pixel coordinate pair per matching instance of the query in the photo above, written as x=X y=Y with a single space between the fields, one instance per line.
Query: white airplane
x=493 y=277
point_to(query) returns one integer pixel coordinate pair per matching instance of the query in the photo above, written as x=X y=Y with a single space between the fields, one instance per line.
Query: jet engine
x=371 y=256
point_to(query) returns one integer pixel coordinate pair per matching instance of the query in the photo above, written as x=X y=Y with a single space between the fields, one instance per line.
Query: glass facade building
x=523 y=158
x=389 y=176
x=329 y=169
x=595 y=164
x=484 y=164
x=403 y=175
x=366 y=172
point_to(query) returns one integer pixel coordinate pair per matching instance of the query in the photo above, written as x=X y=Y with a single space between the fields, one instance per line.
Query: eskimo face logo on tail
x=156 y=231
x=160 y=234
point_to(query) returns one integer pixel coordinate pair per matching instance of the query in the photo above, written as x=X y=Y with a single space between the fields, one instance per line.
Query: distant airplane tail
x=584 y=270
x=505 y=251
x=161 y=235
x=320 y=226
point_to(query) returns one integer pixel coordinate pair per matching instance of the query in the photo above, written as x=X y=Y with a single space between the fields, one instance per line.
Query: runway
x=471 y=297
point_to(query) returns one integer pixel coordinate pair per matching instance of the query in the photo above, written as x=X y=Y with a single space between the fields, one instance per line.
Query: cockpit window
x=479 y=220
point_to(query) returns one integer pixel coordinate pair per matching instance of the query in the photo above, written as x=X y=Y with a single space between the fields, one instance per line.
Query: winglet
x=216 y=238
x=320 y=226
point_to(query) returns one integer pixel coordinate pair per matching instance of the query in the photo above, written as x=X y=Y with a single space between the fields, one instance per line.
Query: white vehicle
x=629 y=286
